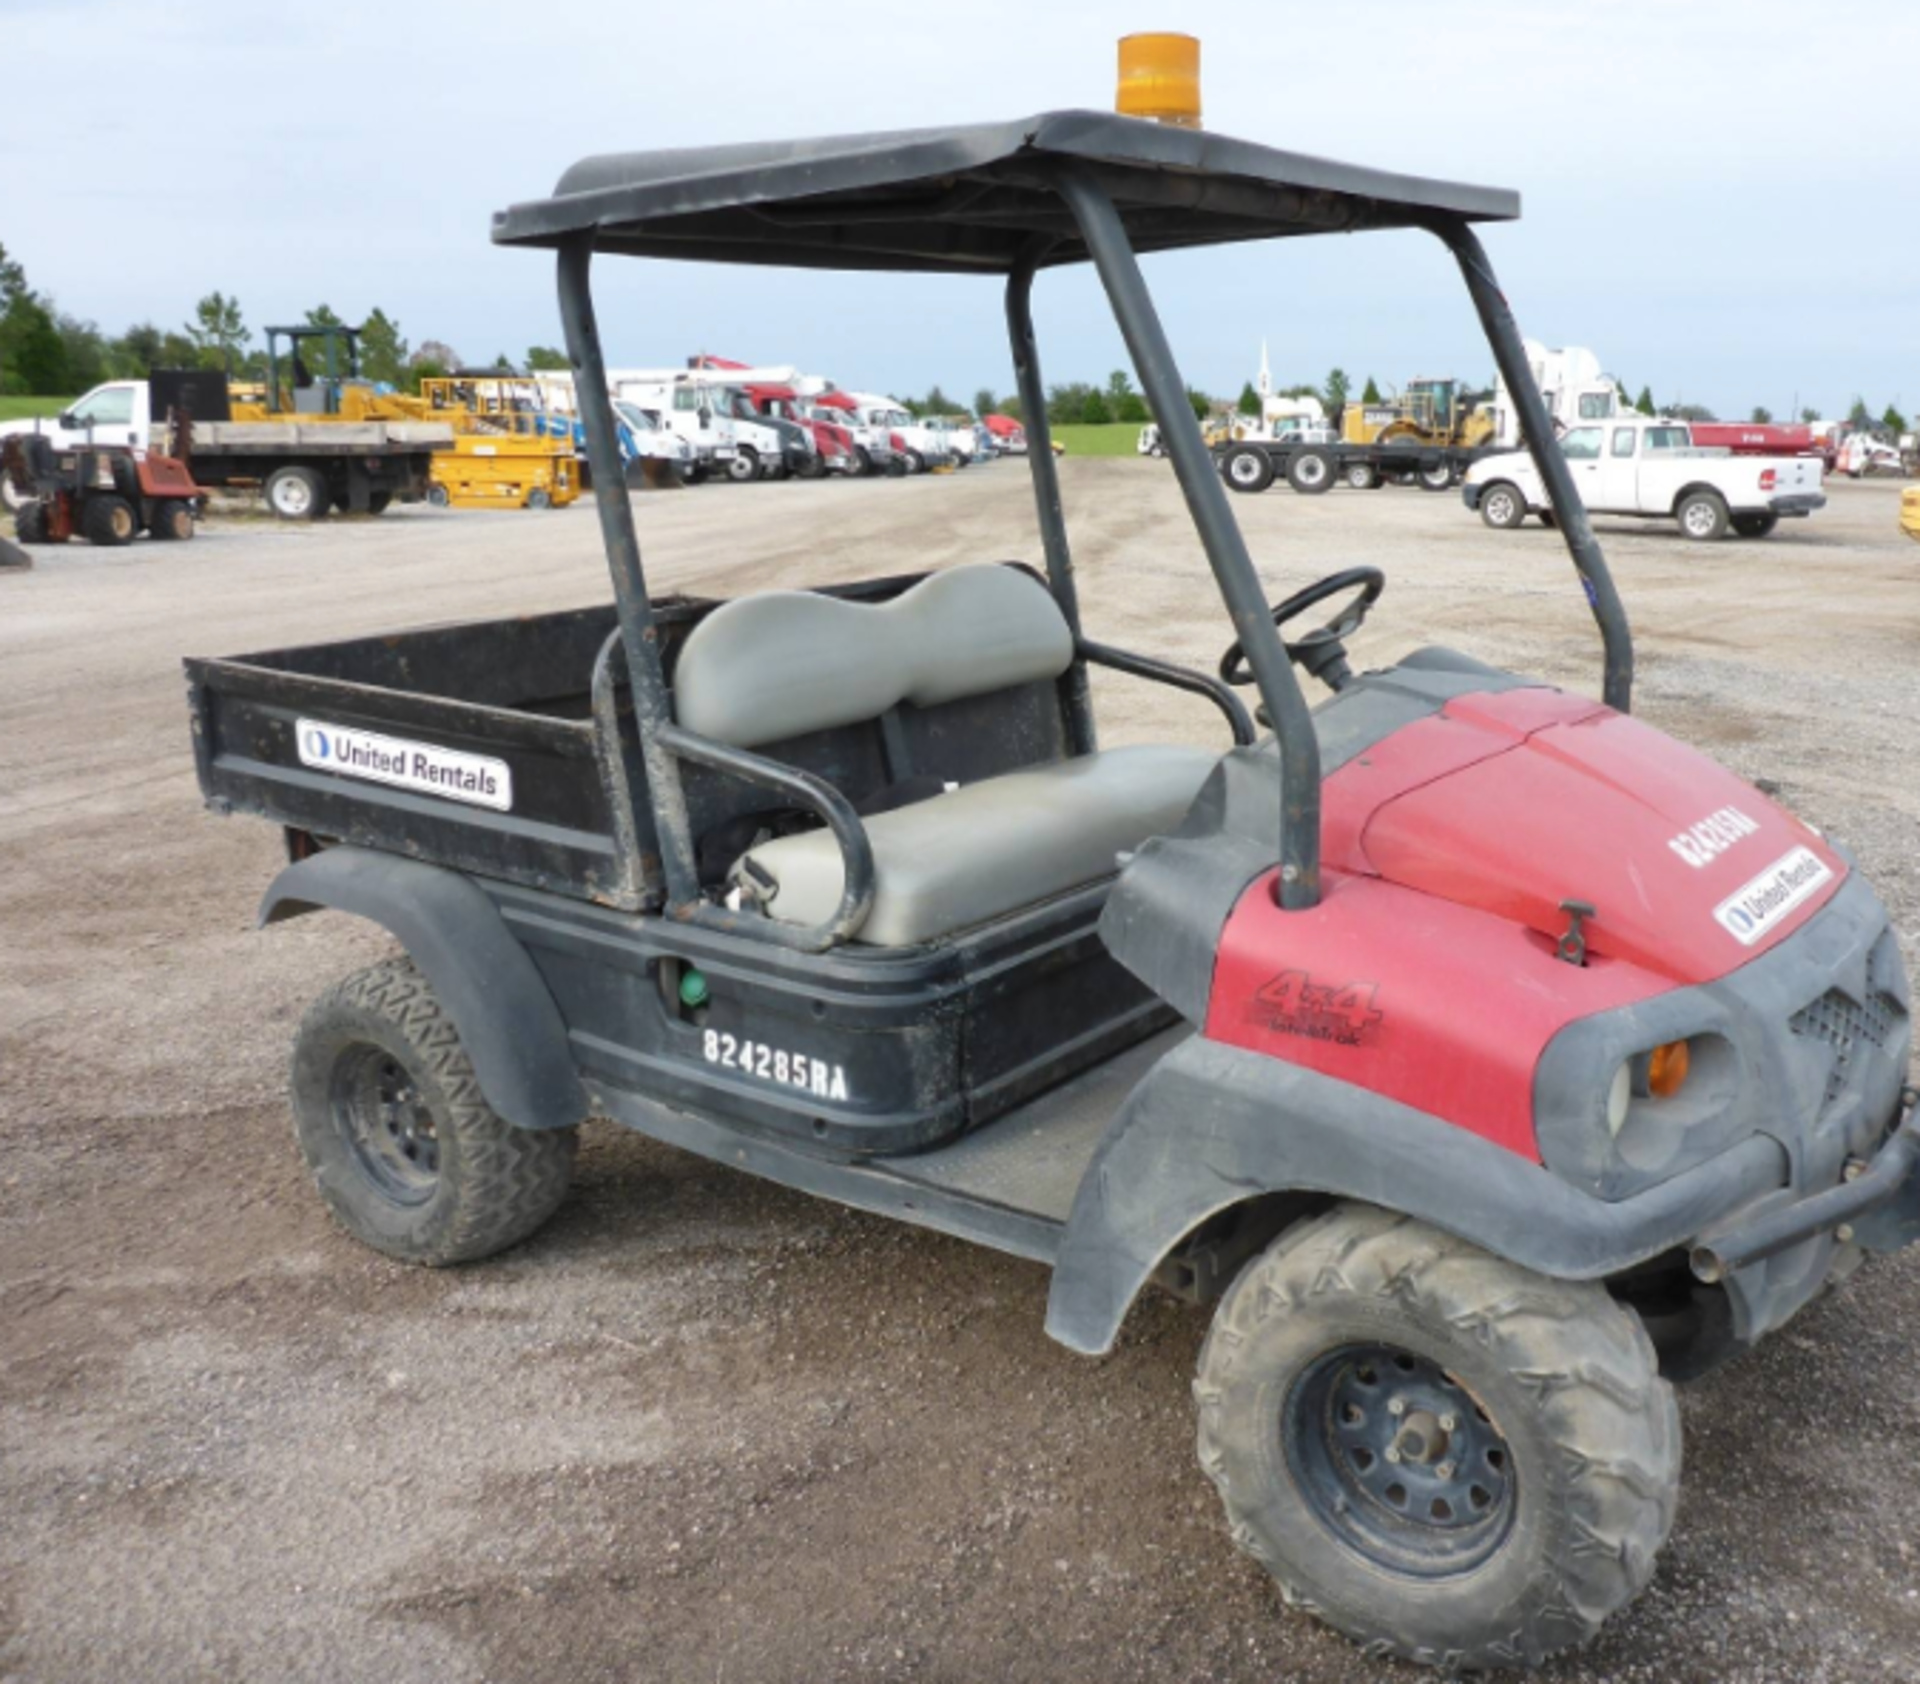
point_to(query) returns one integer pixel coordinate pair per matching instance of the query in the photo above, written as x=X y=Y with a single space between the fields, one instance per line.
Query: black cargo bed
x=533 y=713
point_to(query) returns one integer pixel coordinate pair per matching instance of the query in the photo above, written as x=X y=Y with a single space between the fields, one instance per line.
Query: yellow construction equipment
x=507 y=450
x=1910 y=512
x=1441 y=412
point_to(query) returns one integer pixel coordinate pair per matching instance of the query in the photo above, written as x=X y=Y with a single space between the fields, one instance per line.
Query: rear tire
x=1755 y=526
x=1360 y=476
x=538 y=498
x=172 y=520
x=1703 y=516
x=378 y=502
x=1515 y=1497
x=297 y=494
x=408 y=1156
x=109 y=521
x=1310 y=472
x=1247 y=469
x=1502 y=507
x=1440 y=477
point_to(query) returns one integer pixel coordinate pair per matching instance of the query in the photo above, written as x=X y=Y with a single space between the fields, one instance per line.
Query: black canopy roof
x=967 y=200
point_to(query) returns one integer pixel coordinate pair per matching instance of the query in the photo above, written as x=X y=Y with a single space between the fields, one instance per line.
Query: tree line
x=46 y=352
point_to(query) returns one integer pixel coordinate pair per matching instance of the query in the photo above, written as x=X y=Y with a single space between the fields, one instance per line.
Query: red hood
x=1513 y=803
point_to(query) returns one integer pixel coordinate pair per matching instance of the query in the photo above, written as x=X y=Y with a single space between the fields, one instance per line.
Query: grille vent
x=1850 y=1027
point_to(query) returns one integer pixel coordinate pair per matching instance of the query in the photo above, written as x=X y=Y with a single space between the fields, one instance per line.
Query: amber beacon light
x=1160 y=79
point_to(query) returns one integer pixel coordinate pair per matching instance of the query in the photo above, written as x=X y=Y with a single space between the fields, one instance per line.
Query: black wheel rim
x=387 y=1124
x=1399 y=1461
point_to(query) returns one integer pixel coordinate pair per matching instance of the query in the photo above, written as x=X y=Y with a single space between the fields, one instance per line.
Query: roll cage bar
x=722 y=205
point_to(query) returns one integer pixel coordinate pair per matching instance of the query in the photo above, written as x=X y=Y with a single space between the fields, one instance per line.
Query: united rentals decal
x=427 y=768
x=1751 y=911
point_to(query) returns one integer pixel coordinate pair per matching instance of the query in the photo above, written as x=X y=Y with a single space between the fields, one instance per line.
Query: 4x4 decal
x=1294 y=1004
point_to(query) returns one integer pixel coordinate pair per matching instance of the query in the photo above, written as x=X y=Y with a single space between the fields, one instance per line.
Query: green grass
x=25 y=409
x=1119 y=438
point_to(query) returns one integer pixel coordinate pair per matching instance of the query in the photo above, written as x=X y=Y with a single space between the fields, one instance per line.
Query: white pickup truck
x=1634 y=465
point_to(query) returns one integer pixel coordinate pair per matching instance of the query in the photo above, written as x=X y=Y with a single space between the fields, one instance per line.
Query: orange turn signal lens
x=1667 y=1069
x=1160 y=79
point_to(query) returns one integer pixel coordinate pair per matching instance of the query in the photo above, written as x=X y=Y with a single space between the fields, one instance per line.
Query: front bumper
x=1798 y=503
x=1876 y=1204
x=1470 y=495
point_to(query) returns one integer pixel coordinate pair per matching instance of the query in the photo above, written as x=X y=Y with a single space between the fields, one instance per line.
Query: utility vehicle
x=1488 y=1059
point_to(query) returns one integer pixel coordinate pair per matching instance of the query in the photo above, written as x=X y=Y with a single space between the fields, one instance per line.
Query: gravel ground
x=703 y=1428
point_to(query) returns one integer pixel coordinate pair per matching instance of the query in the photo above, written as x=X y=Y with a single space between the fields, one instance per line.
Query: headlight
x=1619 y=1100
x=1616 y=1118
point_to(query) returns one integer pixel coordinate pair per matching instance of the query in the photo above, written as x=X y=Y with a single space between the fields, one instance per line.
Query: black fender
x=1214 y=1126
x=507 y=1020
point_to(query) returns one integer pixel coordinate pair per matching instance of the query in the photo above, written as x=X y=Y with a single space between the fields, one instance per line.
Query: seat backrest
x=783 y=663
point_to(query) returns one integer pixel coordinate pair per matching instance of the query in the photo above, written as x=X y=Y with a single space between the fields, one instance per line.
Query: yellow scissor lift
x=509 y=450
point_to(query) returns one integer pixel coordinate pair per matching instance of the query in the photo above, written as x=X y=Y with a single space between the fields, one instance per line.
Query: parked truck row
x=316 y=437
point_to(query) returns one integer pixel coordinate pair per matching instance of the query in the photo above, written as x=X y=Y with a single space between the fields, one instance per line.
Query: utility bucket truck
x=696 y=406
x=1482 y=1059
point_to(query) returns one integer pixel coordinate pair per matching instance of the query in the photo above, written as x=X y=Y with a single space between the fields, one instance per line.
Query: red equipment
x=106 y=493
x=1755 y=438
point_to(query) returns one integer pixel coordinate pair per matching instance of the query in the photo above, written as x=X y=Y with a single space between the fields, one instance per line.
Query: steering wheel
x=1321 y=652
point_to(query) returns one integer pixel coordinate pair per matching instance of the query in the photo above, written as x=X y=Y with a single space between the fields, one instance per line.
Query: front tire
x=172 y=520
x=1703 y=516
x=1444 y=1456
x=1310 y=472
x=744 y=465
x=33 y=524
x=297 y=494
x=1247 y=469
x=408 y=1156
x=1361 y=477
x=1502 y=507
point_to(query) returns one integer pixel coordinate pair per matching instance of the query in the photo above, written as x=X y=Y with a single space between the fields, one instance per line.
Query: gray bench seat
x=771 y=667
x=989 y=848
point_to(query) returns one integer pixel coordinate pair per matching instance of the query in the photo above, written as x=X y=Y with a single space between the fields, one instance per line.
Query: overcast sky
x=1718 y=197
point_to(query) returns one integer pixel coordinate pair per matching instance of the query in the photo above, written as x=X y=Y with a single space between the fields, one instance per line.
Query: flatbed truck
x=1251 y=465
x=305 y=466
